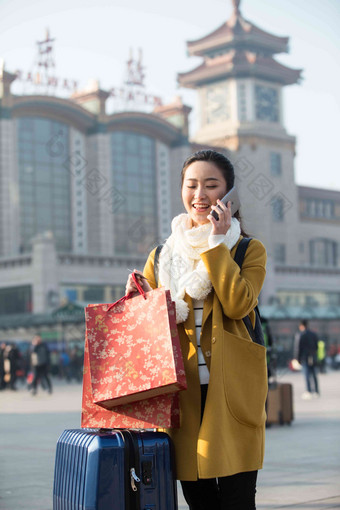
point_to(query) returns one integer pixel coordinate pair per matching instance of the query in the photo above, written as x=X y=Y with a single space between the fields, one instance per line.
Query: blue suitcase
x=114 y=470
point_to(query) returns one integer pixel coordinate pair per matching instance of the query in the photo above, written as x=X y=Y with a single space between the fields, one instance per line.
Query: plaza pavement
x=302 y=461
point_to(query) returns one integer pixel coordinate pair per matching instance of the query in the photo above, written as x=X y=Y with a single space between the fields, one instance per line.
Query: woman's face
x=203 y=184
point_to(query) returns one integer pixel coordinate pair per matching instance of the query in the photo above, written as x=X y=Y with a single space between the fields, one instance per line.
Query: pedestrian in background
x=322 y=356
x=40 y=362
x=307 y=357
x=54 y=358
x=76 y=364
x=65 y=365
x=13 y=356
x=2 y=366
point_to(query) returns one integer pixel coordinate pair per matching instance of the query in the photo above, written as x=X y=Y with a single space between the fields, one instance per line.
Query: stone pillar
x=45 y=273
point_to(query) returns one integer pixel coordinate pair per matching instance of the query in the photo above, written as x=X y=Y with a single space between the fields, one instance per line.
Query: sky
x=93 y=40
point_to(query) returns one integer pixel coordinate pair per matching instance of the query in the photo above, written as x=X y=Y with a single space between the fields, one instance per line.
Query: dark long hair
x=222 y=163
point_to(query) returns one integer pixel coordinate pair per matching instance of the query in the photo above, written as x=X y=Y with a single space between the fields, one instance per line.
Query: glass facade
x=44 y=183
x=16 y=300
x=134 y=177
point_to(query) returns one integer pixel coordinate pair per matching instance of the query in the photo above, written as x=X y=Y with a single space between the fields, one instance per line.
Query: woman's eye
x=211 y=187
x=191 y=187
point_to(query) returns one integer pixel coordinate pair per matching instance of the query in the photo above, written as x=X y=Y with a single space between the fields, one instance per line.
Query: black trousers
x=41 y=374
x=236 y=492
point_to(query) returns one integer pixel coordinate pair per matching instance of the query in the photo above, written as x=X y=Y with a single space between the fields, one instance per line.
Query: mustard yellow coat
x=231 y=437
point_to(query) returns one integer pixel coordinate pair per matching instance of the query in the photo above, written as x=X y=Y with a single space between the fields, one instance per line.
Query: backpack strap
x=257 y=333
x=241 y=250
x=156 y=262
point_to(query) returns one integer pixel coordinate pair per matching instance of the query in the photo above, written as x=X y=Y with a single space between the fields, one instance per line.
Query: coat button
x=213 y=339
x=208 y=354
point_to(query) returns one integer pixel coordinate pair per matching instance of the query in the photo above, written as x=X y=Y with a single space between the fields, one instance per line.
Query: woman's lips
x=201 y=207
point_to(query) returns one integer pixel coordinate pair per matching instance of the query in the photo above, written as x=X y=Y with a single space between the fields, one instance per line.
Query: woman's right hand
x=131 y=286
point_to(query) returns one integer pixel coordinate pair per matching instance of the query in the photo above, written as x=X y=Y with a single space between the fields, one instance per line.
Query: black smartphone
x=231 y=196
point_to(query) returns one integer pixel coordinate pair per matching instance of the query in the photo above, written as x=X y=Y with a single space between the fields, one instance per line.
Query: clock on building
x=266 y=103
x=217 y=103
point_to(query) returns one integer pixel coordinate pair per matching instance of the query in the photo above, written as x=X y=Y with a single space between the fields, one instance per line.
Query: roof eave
x=227 y=35
x=245 y=43
x=197 y=76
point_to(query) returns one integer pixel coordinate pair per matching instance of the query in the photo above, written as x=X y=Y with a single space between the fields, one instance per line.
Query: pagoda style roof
x=239 y=63
x=238 y=32
x=238 y=48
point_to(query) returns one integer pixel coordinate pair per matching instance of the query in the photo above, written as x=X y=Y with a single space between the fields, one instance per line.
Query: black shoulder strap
x=156 y=262
x=241 y=250
x=256 y=334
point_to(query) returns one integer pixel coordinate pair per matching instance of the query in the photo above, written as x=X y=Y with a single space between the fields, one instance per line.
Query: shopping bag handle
x=128 y=296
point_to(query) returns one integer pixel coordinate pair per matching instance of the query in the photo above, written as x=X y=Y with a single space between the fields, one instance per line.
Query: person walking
x=65 y=365
x=2 y=366
x=219 y=445
x=307 y=357
x=40 y=362
x=322 y=356
x=13 y=356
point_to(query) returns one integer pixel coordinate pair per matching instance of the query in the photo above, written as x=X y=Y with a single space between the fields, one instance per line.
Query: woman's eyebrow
x=207 y=179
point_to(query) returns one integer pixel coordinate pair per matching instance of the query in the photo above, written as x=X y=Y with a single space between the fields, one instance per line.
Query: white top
x=202 y=367
x=214 y=240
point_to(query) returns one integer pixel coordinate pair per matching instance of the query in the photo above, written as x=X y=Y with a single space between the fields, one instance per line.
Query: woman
x=220 y=443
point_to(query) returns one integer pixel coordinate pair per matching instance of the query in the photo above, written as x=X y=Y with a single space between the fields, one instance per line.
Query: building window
x=71 y=295
x=319 y=208
x=323 y=253
x=278 y=209
x=333 y=299
x=275 y=164
x=310 y=300
x=280 y=253
x=136 y=182
x=94 y=294
x=16 y=300
x=44 y=182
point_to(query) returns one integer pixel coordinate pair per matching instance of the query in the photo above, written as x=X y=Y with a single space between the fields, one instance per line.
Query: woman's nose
x=200 y=192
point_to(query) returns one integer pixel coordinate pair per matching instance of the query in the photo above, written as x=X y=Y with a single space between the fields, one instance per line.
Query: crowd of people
x=37 y=365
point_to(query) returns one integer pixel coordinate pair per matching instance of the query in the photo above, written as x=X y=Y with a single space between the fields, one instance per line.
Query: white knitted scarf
x=181 y=269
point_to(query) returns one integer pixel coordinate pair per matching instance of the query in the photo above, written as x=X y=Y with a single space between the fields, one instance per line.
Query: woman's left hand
x=221 y=226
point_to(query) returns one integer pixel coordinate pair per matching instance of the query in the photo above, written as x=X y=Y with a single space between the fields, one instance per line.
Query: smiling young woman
x=202 y=187
x=219 y=445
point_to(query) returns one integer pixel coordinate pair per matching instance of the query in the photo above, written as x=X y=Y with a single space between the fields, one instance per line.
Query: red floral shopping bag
x=156 y=412
x=134 y=349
